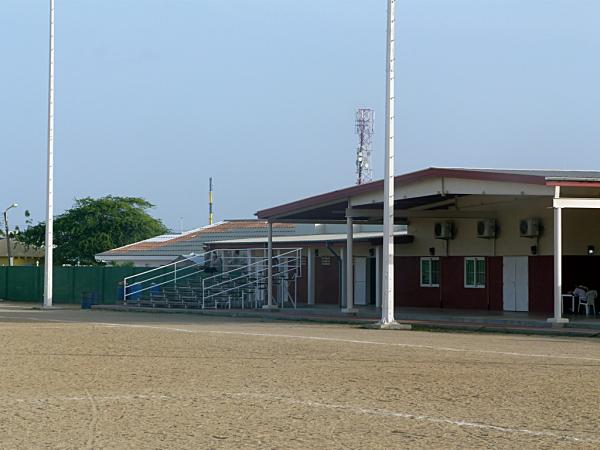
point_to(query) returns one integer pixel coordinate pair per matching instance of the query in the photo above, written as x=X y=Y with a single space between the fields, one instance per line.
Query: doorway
x=515 y=283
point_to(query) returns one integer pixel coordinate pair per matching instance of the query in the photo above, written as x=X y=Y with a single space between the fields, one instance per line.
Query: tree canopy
x=93 y=226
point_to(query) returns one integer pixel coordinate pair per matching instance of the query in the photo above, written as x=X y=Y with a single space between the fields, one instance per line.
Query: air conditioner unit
x=486 y=228
x=444 y=230
x=530 y=227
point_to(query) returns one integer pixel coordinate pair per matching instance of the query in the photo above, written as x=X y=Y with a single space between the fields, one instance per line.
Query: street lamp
x=8 y=249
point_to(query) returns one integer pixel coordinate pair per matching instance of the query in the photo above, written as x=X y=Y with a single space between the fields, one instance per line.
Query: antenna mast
x=364 y=130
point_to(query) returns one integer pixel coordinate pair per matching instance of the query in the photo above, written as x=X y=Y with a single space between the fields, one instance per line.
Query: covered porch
x=483 y=240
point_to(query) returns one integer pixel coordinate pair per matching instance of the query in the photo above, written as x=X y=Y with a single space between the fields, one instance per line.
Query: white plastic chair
x=589 y=302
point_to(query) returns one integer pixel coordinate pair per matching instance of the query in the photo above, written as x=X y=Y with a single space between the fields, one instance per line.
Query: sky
x=153 y=97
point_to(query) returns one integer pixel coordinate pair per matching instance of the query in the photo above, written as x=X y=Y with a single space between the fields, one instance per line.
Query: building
x=164 y=249
x=323 y=251
x=484 y=239
x=22 y=255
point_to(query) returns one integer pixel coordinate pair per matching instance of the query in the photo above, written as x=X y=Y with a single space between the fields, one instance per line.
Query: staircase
x=236 y=278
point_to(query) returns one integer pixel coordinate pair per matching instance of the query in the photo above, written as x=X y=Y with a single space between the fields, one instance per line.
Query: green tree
x=93 y=226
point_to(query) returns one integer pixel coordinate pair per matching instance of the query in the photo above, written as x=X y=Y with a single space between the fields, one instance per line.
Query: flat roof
x=312 y=238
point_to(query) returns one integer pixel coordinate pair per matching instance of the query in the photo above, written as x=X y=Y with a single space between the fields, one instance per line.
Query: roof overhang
x=427 y=192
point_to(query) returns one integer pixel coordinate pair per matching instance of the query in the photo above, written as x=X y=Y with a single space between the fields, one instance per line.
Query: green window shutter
x=435 y=271
x=470 y=272
x=425 y=272
x=480 y=272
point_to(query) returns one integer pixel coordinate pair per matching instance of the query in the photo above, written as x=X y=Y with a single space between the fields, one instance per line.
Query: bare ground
x=92 y=379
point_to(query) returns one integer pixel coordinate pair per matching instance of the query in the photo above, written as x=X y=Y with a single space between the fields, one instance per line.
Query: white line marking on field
x=331 y=339
x=93 y=421
x=422 y=418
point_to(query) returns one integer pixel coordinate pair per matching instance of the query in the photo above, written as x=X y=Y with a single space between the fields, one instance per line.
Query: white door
x=515 y=283
x=360 y=281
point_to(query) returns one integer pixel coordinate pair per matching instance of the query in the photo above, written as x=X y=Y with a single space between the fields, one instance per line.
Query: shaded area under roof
x=330 y=205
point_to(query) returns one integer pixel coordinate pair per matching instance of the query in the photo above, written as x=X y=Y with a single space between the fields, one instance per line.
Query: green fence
x=26 y=284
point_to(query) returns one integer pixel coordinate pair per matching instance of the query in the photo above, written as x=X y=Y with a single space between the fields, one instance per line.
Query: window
x=430 y=272
x=474 y=272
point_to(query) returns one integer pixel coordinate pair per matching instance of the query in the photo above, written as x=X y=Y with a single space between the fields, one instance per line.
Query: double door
x=515 y=283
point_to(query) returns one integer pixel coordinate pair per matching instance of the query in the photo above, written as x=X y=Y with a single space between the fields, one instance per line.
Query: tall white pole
x=50 y=188
x=387 y=306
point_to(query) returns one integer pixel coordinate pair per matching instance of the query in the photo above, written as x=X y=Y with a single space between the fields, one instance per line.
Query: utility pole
x=49 y=260
x=210 y=202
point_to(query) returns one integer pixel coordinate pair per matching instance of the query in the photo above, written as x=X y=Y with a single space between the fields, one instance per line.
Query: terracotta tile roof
x=193 y=241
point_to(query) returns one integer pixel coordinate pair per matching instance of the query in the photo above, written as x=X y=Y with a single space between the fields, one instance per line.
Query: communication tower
x=364 y=130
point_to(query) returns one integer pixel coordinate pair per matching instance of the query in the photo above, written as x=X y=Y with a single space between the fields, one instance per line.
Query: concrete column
x=343 y=272
x=311 y=276
x=377 y=280
x=350 y=309
x=557 y=319
x=270 y=304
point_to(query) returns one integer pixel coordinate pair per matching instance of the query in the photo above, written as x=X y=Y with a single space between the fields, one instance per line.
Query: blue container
x=89 y=298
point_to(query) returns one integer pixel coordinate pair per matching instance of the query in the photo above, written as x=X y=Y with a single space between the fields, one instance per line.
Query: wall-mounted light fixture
x=591 y=250
x=431 y=251
x=534 y=249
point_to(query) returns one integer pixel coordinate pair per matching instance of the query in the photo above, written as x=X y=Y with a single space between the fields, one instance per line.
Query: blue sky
x=155 y=96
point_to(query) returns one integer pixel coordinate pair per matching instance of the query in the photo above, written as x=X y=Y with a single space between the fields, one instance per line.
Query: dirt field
x=92 y=379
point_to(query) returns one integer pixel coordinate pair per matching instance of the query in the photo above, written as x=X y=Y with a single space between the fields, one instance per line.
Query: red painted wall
x=326 y=282
x=541 y=284
x=407 y=284
x=453 y=293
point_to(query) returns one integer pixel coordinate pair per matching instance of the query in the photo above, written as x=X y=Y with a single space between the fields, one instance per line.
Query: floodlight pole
x=48 y=261
x=387 y=305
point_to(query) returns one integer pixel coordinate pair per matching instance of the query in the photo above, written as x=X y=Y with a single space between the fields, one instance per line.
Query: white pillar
x=343 y=272
x=350 y=309
x=557 y=319
x=377 y=280
x=49 y=241
x=387 y=306
x=310 y=277
x=270 y=304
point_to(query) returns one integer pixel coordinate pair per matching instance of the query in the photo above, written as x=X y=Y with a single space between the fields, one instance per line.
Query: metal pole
x=50 y=187
x=387 y=309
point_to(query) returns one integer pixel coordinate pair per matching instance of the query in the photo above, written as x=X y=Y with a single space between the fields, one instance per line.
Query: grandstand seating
x=187 y=285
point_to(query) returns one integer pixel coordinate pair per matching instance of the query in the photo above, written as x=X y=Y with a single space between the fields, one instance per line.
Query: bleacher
x=186 y=284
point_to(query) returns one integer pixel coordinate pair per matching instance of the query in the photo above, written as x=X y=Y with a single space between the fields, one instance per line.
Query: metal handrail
x=292 y=257
x=187 y=259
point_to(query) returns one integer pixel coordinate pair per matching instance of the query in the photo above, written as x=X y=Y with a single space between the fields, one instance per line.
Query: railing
x=253 y=277
x=169 y=273
x=242 y=271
